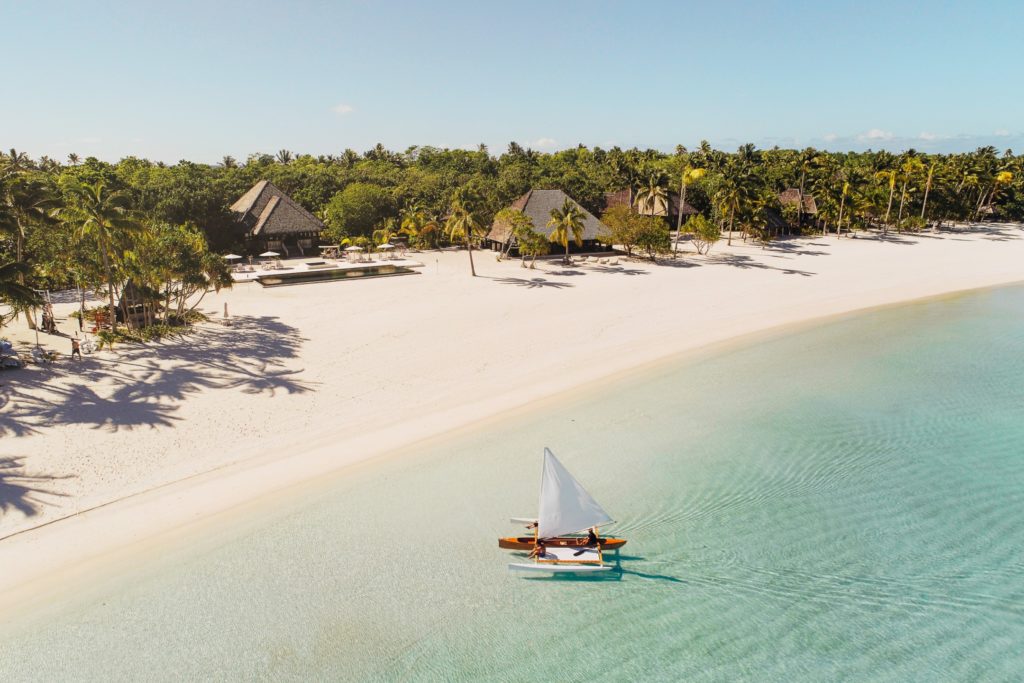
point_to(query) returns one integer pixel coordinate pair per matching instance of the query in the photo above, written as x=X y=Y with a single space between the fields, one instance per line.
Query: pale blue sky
x=198 y=80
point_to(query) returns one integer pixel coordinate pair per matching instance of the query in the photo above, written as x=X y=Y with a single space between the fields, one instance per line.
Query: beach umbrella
x=269 y=254
x=353 y=248
x=386 y=245
x=231 y=257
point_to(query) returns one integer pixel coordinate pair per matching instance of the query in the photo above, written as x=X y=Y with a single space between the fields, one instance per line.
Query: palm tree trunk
x=888 y=209
x=112 y=310
x=679 y=218
x=469 y=246
x=839 y=223
x=927 y=188
x=732 y=216
x=800 y=202
x=978 y=205
x=903 y=199
x=19 y=241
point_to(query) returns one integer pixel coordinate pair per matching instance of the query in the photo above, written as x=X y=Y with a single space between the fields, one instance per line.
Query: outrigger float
x=565 y=510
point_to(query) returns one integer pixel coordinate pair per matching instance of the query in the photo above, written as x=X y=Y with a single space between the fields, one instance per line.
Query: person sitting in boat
x=591 y=537
x=539 y=550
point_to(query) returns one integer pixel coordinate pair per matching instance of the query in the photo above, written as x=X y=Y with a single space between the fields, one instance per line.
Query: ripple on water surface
x=837 y=503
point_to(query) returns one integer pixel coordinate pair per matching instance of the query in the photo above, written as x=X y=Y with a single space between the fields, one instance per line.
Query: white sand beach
x=126 y=445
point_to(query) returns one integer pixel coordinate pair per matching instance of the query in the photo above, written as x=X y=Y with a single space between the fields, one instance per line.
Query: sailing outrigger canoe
x=565 y=509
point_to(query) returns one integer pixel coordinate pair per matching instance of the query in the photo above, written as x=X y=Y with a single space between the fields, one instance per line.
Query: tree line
x=99 y=225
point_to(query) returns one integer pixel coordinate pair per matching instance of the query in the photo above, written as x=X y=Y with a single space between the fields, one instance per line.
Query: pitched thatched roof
x=792 y=197
x=266 y=211
x=537 y=204
x=622 y=198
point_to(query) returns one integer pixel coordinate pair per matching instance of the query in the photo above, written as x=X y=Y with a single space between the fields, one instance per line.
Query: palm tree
x=17 y=161
x=889 y=177
x=909 y=170
x=842 y=205
x=13 y=292
x=104 y=217
x=228 y=162
x=462 y=222
x=419 y=226
x=412 y=222
x=651 y=194
x=27 y=201
x=568 y=219
x=284 y=156
x=1001 y=178
x=384 y=233
x=690 y=175
x=806 y=161
x=928 y=186
x=730 y=201
x=73 y=159
x=520 y=227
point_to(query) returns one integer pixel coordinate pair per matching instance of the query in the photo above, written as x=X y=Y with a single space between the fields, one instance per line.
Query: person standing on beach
x=76 y=349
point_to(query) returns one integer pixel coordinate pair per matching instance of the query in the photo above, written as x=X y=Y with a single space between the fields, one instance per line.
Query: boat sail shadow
x=617 y=573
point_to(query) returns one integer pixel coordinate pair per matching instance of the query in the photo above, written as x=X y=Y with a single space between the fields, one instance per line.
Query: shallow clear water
x=840 y=503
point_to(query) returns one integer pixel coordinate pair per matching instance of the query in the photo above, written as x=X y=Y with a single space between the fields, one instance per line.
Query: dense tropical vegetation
x=99 y=225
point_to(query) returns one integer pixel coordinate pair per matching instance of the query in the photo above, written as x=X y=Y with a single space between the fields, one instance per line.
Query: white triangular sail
x=565 y=506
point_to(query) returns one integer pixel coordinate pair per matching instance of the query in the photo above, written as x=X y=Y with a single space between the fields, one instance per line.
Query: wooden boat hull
x=526 y=542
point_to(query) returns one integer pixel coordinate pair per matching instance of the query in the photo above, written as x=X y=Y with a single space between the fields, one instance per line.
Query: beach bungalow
x=803 y=202
x=273 y=221
x=628 y=198
x=537 y=204
x=134 y=308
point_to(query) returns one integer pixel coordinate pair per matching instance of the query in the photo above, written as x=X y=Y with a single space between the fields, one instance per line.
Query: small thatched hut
x=803 y=202
x=137 y=307
x=538 y=204
x=272 y=220
x=627 y=197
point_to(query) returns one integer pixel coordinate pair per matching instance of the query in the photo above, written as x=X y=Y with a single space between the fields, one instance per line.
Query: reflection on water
x=841 y=503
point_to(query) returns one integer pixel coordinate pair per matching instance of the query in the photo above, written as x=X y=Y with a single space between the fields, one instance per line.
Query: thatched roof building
x=804 y=203
x=272 y=218
x=626 y=198
x=538 y=204
x=137 y=306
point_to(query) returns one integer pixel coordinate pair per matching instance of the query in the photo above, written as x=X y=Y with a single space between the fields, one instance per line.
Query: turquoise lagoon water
x=838 y=503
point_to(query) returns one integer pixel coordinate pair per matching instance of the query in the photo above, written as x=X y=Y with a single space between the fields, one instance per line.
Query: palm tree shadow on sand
x=533 y=283
x=21 y=491
x=149 y=380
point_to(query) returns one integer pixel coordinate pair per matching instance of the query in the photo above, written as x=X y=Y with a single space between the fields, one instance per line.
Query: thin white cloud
x=1002 y=133
x=928 y=136
x=829 y=137
x=876 y=134
x=545 y=143
x=343 y=109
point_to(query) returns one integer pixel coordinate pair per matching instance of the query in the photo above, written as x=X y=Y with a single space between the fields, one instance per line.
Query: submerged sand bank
x=181 y=430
